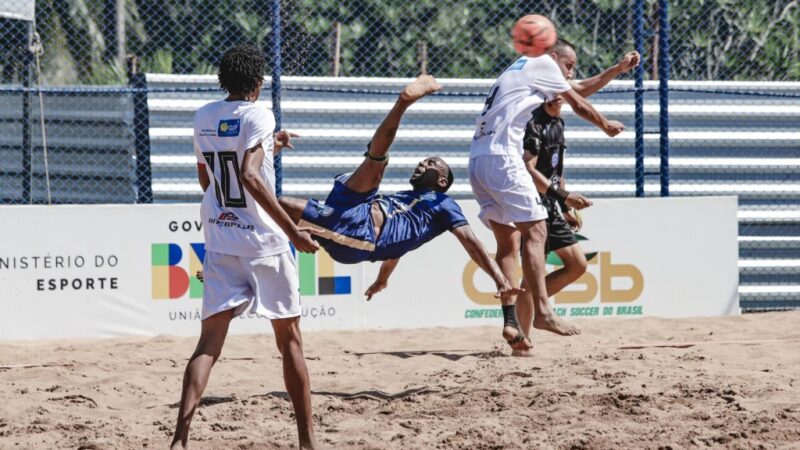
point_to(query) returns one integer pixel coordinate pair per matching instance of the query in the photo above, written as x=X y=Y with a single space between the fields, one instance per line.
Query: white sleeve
x=546 y=77
x=195 y=141
x=259 y=128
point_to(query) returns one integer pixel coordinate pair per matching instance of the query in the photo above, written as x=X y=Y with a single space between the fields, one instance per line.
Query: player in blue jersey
x=356 y=223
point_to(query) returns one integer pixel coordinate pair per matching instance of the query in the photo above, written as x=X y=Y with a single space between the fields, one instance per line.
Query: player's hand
x=574 y=220
x=283 y=139
x=506 y=290
x=614 y=128
x=629 y=61
x=376 y=287
x=302 y=240
x=577 y=201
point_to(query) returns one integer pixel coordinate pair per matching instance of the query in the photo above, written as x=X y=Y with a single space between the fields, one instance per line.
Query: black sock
x=510 y=316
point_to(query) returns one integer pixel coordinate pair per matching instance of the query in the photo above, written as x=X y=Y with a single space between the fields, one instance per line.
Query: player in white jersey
x=248 y=265
x=510 y=204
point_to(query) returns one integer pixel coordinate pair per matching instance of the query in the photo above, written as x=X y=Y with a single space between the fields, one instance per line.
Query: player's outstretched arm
x=541 y=181
x=257 y=187
x=387 y=267
x=543 y=186
x=585 y=109
x=481 y=257
x=589 y=86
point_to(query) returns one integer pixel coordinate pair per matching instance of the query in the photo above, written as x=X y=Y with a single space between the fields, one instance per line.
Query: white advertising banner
x=86 y=271
x=667 y=257
x=94 y=271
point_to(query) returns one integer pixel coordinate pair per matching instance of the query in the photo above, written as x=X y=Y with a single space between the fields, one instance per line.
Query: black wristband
x=376 y=158
x=563 y=205
x=558 y=193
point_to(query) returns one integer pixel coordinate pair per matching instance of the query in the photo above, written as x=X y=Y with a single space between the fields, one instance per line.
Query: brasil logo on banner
x=317 y=275
x=170 y=280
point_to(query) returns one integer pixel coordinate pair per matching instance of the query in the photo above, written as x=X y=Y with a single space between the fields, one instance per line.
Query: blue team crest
x=228 y=127
x=326 y=211
x=555 y=160
x=428 y=196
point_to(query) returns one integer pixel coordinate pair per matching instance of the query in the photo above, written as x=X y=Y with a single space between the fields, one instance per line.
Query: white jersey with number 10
x=524 y=86
x=233 y=222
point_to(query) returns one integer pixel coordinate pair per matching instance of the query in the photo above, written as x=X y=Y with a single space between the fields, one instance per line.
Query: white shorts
x=268 y=286
x=504 y=190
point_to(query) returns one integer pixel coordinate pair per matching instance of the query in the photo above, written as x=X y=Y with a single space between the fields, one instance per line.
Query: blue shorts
x=346 y=222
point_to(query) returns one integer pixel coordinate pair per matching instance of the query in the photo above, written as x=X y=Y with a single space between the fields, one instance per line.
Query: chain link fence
x=81 y=123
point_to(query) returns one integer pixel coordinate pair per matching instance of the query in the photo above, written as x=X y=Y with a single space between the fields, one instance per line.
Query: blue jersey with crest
x=412 y=218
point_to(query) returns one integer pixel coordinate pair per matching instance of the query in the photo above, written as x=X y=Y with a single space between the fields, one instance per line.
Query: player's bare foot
x=522 y=353
x=419 y=88
x=550 y=322
x=515 y=339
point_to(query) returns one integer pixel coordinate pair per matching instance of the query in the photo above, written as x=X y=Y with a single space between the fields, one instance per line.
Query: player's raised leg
x=508 y=242
x=574 y=266
x=369 y=174
x=295 y=376
x=212 y=336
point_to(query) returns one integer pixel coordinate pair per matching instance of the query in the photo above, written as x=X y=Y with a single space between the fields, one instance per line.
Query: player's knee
x=536 y=233
x=577 y=264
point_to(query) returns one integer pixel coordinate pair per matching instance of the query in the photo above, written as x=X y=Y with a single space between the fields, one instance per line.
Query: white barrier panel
x=668 y=257
x=87 y=271
x=93 y=271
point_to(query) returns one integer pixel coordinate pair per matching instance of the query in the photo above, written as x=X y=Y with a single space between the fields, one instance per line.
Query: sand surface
x=738 y=386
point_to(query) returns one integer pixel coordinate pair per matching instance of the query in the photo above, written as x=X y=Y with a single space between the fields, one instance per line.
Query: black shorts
x=559 y=233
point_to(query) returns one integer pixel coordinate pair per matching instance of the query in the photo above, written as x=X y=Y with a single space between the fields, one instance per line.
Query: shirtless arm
x=586 y=111
x=202 y=176
x=387 y=267
x=265 y=197
x=573 y=200
x=589 y=86
x=481 y=257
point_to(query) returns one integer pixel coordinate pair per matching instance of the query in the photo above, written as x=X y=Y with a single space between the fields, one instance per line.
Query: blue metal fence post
x=276 y=87
x=141 y=132
x=663 y=89
x=638 y=36
x=27 y=129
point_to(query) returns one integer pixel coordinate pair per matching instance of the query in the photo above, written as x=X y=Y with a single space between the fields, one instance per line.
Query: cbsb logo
x=606 y=273
x=317 y=275
x=170 y=281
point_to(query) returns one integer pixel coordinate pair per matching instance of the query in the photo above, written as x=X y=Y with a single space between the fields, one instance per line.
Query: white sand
x=431 y=388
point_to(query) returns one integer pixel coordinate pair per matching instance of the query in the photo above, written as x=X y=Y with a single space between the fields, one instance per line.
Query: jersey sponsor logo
x=228 y=128
x=228 y=222
x=170 y=280
x=518 y=64
x=228 y=217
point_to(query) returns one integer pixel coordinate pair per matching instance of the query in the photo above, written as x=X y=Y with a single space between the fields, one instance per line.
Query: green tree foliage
x=710 y=39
